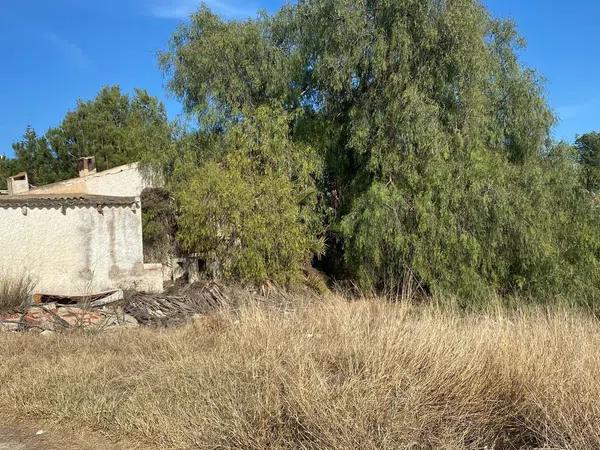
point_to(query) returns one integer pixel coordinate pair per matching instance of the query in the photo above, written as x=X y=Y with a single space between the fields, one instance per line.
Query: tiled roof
x=58 y=200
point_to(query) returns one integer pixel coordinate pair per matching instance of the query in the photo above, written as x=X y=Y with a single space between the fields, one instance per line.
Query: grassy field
x=329 y=374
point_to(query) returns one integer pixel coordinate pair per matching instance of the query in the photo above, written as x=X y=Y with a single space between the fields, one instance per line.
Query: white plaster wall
x=76 y=252
x=122 y=181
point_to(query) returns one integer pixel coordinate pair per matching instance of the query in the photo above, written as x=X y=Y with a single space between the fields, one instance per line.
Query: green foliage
x=250 y=212
x=217 y=67
x=433 y=137
x=113 y=127
x=588 y=149
x=159 y=224
x=6 y=170
x=403 y=134
x=526 y=229
x=34 y=155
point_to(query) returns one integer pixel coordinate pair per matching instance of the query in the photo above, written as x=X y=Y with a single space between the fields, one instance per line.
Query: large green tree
x=114 y=127
x=433 y=136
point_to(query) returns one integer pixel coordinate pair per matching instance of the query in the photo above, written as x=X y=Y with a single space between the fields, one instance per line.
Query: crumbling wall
x=78 y=249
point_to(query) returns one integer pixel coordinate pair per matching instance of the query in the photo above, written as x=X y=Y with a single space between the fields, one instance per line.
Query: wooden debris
x=168 y=310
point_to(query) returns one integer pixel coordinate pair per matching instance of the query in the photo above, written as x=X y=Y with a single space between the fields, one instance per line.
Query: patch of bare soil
x=32 y=436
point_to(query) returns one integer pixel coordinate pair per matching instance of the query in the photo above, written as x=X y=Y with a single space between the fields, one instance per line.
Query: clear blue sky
x=53 y=52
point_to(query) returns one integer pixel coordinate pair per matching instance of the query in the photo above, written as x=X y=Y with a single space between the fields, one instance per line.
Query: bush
x=527 y=230
x=250 y=213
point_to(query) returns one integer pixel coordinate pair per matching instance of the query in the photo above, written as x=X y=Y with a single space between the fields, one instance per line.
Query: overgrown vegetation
x=401 y=148
x=250 y=210
x=396 y=144
x=159 y=225
x=434 y=142
x=588 y=151
x=335 y=374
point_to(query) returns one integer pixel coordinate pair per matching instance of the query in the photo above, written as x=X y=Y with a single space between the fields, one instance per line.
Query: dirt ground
x=33 y=436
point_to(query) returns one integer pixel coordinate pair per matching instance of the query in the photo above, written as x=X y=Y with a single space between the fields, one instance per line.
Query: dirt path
x=30 y=437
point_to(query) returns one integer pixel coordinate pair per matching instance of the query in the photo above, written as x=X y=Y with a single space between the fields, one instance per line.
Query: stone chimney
x=18 y=184
x=86 y=166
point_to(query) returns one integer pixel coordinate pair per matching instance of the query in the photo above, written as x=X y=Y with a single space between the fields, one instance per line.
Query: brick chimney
x=86 y=166
x=18 y=184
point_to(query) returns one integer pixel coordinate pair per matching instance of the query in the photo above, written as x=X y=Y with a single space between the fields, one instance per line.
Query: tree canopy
x=434 y=139
x=33 y=155
x=114 y=127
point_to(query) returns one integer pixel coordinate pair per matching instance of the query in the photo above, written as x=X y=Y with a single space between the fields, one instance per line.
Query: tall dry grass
x=15 y=290
x=335 y=374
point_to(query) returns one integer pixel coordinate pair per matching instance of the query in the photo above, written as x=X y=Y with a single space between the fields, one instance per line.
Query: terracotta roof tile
x=58 y=200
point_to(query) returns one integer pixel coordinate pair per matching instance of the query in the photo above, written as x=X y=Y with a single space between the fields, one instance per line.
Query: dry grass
x=340 y=375
x=15 y=290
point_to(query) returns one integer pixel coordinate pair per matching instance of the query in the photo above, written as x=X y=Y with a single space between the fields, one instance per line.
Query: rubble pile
x=115 y=309
x=101 y=312
x=176 y=307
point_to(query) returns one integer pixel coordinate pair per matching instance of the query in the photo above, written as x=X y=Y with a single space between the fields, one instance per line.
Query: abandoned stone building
x=78 y=236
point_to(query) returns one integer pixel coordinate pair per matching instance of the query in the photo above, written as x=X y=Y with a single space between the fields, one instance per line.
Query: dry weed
x=15 y=290
x=336 y=374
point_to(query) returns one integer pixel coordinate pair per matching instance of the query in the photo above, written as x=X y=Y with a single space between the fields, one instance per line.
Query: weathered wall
x=76 y=250
x=125 y=181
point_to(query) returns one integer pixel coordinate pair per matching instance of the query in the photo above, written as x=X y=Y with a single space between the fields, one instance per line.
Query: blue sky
x=53 y=52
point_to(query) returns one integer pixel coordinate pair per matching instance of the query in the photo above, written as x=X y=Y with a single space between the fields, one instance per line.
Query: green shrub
x=250 y=213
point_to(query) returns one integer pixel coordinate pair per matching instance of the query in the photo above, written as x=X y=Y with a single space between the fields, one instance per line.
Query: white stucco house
x=78 y=236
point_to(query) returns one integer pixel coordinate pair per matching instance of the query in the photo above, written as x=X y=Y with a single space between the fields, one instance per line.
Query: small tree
x=34 y=155
x=6 y=170
x=250 y=212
